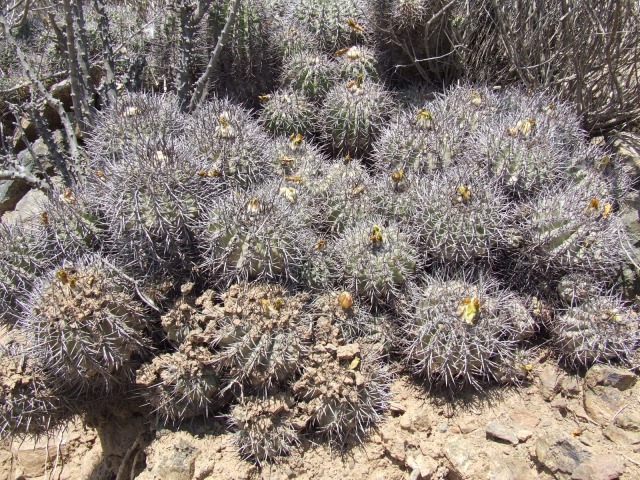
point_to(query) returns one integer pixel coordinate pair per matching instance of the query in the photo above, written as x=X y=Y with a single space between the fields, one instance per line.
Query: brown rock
x=348 y=352
x=465 y=459
x=629 y=417
x=550 y=381
x=559 y=452
x=602 y=467
x=510 y=468
x=621 y=437
x=499 y=431
x=607 y=376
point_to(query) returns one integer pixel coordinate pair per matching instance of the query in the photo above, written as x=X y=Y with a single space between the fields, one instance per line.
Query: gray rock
x=11 y=191
x=465 y=458
x=550 y=381
x=602 y=467
x=608 y=376
x=558 y=452
x=27 y=209
x=499 y=431
x=178 y=463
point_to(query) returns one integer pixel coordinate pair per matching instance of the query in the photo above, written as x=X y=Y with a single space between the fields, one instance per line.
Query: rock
x=395 y=446
x=465 y=458
x=621 y=437
x=348 y=352
x=627 y=146
x=524 y=417
x=29 y=207
x=629 y=418
x=176 y=462
x=11 y=191
x=442 y=427
x=426 y=467
x=510 y=468
x=523 y=434
x=570 y=386
x=558 y=452
x=499 y=431
x=413 y=421
x=550 y=381
x=609 y=376
x=602 y=467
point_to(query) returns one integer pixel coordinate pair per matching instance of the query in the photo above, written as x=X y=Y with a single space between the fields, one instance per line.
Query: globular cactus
x=352 y=115
x=265 y=427
x=84 y=327
x=310 y=73
x=295 y=155
x=575 y=288
x=257 y=234
x=24 y=257
x=287 y=112
x=182 y=384
x=571 y=229
x=357 y=61
x=228 y=145
x=375 y=261
x=395 y=195
x=456 y=332
x=601 y=329
x=137 y=120
x=462 y=218
x=149 y=200
x=335 y=23
x=289 y=41
x=331 y=196
x=260 y=336
x=344 y=391
x=27 y=405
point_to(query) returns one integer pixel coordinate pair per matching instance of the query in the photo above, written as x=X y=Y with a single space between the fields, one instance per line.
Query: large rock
x=558 y=452
x=602 y=467
x=608 y=395
x=499 y=431
x=467 y=461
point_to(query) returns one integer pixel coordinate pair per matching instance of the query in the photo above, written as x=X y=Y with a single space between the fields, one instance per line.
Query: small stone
x=621 y=437
x=602 y=467
x=628 y=418
x=348 y=352
x=467 y=427
x=395 y=448
x=510 y=468
x=560 y=404
x=395 y=407
x=571 y=386
x=524 y=434
x=560 y=453
x=549 y=381
x=608 y=376
x=466 y=461
x=442 y=427
x=499 y=431
x=425 y=466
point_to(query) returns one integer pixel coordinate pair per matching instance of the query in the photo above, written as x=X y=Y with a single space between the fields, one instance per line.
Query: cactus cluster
x=266 y=265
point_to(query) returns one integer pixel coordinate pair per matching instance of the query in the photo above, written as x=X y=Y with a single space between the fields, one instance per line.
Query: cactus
x=333 y=195
x=264 y=427
x=602 y=329
x=27 y=405
x=571 y=230
x=352 y=115
x=257 y=234
x=462 y=218
x=229 y=145
x=84 y=327
x=24 y=257
x=395 y=195
x=456 y=332
x=149 y=200
x=335 y=23
x=357 y=61
x=260 y=337
x=295 y=155
x=182 y=384
x=137 y=120
x=374 y=261
x=343 y=390
x=310 y=73
x=575 y=288
x=287 y=112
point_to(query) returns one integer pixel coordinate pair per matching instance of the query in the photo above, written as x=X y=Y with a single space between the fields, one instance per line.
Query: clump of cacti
x=310 y=73
x=260 y=336
x=601 y=329
x=265 y=427
x=295 y=155
x=84 y=327
x=287 y=112
x=457 y=332
x=357 y=61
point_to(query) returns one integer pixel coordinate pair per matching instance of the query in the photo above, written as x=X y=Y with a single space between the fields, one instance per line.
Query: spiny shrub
x=264 y=427
x=84 y=327
x=335 y=23
x=352 y=115
x=457 y=332
x=228 y=145
x=462 y=217
x=344 y=391
x=261 y=337
x=601 y=329
x=373 y=260
x=287 y=112
x=180 y=385
x=149 y=199
x=310 y=73
x=255 y=234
